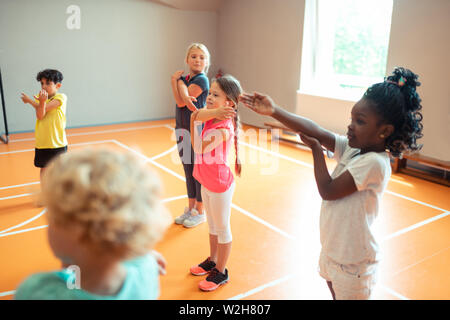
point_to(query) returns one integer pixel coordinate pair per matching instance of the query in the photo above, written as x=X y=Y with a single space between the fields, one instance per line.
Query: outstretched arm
x=211 y=141
x=264 y=105
x=221 y=113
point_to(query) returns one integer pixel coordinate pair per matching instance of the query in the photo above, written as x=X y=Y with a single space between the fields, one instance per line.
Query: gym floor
x=275 y=221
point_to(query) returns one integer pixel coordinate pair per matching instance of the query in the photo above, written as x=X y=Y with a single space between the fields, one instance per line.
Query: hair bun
x=407 y=81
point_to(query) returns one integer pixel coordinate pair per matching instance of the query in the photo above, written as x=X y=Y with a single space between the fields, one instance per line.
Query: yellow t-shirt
x=50 y=132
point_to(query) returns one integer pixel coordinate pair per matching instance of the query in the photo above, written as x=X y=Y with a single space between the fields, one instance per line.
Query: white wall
x=420 y=41
x=116 y=68
x=259 y=42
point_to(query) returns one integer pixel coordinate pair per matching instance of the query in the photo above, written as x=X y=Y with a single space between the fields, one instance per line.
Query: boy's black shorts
x=43 y=156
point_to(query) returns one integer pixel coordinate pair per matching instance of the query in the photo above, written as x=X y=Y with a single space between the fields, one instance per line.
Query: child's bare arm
x=329 y=188
x=174 y=84
x=187 y=93
x=211 y=141
x=221 y=113
x=26 y=99
x=44 y=107
x=264 y=105
x=41 y=106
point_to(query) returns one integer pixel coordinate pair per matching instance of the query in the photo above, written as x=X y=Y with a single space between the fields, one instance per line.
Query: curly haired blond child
x=105 y=215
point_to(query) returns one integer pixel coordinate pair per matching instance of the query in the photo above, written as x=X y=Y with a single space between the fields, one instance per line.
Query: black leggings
x=184 y=144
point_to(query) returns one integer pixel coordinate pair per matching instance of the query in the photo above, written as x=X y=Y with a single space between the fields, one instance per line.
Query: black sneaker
x=214 y=280
x=203 y=268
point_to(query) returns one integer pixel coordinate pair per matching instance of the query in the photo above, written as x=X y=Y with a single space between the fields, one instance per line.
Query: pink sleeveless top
x=211 y=169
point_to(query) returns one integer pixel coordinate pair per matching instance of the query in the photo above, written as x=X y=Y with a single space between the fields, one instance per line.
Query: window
x=345 y=44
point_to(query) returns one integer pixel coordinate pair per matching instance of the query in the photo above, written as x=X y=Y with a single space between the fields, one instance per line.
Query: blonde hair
x=232 y=89
x=112 y=196
x=205 y=51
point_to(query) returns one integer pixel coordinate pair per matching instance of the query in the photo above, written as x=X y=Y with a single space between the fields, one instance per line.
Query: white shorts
x=218 y=212
x=350 y=282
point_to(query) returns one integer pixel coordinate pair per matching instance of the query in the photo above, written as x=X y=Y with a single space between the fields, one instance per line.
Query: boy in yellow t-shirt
x=50 y=109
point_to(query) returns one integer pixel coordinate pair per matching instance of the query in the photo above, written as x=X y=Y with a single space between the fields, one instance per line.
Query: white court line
x=38 y=182
x=261 y=288
x=20 y=185
x=17 y=196
x=420 y=261
x=394 y=293
x=184 y=179
x=277 y=154
x=7 y=293
x=16 y=151
x=414 y=200
x=415 y=226
x=257 y=289
x=288 y=277
x=263 y=222
x=3 y=233
x=71 y=145
x=22 y=231
x=100 y=132
x=164 y=153
x=25 y=222
x=311 y=166
x=149 y=160
x=174 y=198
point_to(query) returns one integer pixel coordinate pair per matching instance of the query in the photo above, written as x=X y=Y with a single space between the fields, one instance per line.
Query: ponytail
x=232 y=88
x=237 y=165
x=397 y=102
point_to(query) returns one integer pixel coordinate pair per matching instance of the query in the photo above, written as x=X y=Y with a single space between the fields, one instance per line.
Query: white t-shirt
x=346 y=224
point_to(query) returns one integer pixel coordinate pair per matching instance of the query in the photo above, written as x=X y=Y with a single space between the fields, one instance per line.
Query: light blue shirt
x=141 y=283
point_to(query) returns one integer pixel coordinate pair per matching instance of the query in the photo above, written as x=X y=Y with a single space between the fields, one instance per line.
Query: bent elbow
x=326 y=195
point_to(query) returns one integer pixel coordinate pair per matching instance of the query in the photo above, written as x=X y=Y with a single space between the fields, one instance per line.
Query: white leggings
x=218 y=212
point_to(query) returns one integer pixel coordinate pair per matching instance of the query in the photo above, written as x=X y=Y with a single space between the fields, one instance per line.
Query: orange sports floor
x=275 y=221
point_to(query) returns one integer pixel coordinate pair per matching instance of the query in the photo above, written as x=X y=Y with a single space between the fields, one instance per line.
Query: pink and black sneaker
x=203 y=268
x=214 y=280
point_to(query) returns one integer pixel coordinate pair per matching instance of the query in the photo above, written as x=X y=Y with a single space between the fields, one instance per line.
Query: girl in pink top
x=215 y=176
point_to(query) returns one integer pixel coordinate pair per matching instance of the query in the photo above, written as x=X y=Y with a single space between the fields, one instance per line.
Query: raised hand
x=223 y=113
x=310 y=141
x=25 y=98
x=259 y=103
x=177 y=75
x=43 y=96
x=160 y=260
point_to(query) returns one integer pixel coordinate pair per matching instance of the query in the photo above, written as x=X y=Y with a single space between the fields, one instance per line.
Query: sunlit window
x=345 y=45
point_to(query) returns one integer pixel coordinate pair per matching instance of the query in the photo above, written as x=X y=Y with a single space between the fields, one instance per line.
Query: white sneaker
x=184 y=216
x=195 y=219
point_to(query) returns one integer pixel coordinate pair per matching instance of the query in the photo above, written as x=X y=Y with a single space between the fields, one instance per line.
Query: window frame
x=317 y=73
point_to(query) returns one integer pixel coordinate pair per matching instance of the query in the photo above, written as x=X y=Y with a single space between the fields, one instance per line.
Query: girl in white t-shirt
x=386 y=120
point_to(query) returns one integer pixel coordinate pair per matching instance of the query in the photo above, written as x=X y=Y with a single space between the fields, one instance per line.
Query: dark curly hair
x=396 y=101
x=51 y=75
